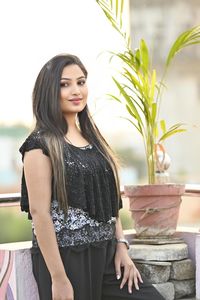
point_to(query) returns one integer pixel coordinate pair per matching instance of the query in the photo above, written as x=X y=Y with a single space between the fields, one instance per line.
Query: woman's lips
x=75 y=100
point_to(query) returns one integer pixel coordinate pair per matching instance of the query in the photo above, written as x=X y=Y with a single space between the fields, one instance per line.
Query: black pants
x=92 y=274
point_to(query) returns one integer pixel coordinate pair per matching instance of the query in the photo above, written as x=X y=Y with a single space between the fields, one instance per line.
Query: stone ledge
x=183 y=269
x=156 y=272
x=166 y=290
x=168 y=252
x=16 y=246
x=183 y=288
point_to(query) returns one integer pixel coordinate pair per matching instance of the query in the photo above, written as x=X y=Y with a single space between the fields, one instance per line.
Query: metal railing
x=13 y=199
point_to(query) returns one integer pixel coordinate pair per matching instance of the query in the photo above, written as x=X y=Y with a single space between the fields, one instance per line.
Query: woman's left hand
x=131 y=274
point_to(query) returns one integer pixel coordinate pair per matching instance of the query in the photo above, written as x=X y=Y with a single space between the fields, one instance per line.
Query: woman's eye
x=63 y=84
x=82 y=82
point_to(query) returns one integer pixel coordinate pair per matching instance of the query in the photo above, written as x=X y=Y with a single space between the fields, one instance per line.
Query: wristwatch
x=124 y=241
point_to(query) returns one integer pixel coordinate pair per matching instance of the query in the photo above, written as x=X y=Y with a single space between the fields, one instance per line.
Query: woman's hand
x=62 y=290
x=131 y=273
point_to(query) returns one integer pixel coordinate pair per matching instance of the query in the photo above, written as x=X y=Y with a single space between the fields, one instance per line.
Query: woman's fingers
x=131 y=275
x=139 y=277
x=130 y=285
x=118 y=270
x=135 y=279
x=125 y=276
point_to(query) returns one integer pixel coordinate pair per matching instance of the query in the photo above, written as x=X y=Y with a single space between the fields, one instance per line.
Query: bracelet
x=124 y=241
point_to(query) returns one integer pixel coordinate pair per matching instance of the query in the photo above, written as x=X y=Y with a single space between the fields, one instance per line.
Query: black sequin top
x=90 y=185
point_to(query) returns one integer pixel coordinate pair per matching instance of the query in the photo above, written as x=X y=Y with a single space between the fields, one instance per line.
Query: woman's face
x=73 y=90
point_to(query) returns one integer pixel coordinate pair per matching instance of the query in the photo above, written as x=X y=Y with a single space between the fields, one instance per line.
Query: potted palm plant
x=154 y=206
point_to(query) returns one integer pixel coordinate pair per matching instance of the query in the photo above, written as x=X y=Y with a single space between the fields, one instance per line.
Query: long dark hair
x=50 y=120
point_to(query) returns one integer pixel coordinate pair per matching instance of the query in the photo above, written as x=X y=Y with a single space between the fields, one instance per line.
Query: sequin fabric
x=91 y=191
x=78 y=228
x=90 y=181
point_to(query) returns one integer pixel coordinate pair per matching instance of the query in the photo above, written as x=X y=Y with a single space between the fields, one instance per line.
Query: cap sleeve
x=34 y=141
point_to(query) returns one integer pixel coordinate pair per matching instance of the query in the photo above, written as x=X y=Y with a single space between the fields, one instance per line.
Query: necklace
x=89 y=146
x=68 y=140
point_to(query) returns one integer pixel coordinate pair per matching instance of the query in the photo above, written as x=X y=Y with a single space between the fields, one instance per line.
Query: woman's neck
x=73 y=129
x=71 y=121
x=74 y=135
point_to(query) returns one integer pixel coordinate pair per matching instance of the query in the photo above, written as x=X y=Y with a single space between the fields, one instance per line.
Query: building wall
x=159 y=22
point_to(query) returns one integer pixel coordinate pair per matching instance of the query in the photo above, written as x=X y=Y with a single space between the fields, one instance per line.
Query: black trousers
x=92 y=274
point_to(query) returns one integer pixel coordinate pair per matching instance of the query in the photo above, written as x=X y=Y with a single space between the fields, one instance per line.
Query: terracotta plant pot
x=155 y=208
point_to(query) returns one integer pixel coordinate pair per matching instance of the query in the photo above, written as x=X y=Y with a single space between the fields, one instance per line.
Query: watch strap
x=124 y=241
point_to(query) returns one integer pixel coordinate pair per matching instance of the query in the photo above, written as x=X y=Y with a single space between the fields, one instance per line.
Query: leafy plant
x=139 y=89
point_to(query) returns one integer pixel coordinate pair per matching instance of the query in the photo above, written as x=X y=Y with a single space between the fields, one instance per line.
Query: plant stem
x=150 y=157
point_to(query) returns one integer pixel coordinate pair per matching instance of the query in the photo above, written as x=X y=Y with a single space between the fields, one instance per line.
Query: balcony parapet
x=13 y=199
x=17 y=259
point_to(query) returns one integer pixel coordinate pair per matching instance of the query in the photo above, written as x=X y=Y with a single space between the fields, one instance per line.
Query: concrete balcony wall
x=16 y=278
x=18 y=283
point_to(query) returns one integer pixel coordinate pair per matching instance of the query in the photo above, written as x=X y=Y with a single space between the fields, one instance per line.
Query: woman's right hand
x=62 y=290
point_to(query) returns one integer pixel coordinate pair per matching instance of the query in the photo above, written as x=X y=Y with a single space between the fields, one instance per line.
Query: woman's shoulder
x=35 y=140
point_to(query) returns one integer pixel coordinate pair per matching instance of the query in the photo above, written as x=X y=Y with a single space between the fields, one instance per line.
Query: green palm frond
x=114 y=13
x=185 y=39
x=139 y=91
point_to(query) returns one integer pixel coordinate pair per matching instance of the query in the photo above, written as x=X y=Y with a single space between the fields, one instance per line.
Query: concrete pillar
x=198 y=266
x=16 y=278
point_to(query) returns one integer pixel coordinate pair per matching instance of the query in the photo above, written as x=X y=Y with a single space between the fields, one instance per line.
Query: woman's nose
x=76 y=89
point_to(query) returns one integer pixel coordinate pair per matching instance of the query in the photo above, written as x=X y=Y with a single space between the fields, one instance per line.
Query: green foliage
x=139 y=90
x=126 y=219
x=187 y=38
x=129 y=158
x=15 y=227
x=16 y=131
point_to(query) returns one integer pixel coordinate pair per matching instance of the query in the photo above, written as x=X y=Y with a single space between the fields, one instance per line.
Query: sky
x=34 y=31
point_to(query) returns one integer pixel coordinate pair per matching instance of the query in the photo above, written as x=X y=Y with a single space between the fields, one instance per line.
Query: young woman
x=70 y=189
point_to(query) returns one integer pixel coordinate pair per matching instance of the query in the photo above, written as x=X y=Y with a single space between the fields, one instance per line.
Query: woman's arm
x=122 y=259
x=119 y=231
x=38 y=175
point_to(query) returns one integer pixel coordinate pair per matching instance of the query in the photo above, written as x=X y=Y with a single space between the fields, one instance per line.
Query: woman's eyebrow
x=65 y=78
